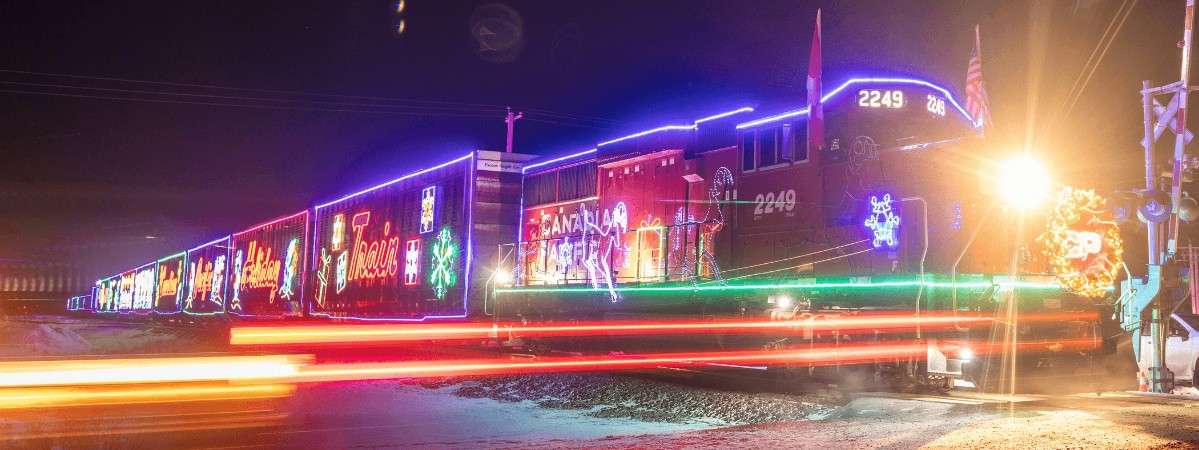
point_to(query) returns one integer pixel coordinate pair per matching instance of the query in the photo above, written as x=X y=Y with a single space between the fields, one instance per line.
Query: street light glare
x=1023 y=182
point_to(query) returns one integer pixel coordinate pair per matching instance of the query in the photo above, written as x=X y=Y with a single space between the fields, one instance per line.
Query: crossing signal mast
x=1160 y=208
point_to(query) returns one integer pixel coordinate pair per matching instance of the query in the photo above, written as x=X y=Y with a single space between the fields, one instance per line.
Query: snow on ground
x=554 y=410
x=390 y=414
x=26 y=336
x=1113 y=421
x=617 y=396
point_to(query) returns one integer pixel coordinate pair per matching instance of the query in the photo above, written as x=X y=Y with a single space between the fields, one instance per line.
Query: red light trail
x=359 y=334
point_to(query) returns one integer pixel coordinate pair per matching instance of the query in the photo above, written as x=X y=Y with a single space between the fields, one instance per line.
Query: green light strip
x=810 y=286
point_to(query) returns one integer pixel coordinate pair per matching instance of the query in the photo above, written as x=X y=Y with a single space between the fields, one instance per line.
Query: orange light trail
x=74 y=396
x=148 y=370
x=325 y=334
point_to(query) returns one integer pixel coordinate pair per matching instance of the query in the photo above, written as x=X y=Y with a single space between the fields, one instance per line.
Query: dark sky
x=309 y=100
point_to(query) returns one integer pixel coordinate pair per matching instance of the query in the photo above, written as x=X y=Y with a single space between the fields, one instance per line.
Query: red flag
x=815 y=107
x=976 y=90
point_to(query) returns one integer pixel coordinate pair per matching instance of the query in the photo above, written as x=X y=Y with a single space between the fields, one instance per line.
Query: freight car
x=404 y=251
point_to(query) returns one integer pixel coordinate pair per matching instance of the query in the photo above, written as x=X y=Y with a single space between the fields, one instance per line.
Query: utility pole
x=511 y=120
x=1145 y=293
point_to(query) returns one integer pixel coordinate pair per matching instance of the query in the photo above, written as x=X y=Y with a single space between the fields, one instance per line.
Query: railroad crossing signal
x=1140 y=295
x=1166 y=117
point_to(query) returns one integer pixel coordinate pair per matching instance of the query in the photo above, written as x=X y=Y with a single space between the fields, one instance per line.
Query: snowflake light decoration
x=565 y=254
x=883 y=222
x=445 y=251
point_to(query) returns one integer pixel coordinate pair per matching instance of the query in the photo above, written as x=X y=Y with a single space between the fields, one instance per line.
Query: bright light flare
x=1023 y=182
x=503 y=277
x=147 y=370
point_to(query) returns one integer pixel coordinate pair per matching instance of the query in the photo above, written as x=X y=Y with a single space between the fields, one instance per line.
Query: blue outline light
x=655 y=130
x=693 y=125
x=525 y=169
x=470 y=230
x=834 y=92
x=397 y=180
x=724 y=114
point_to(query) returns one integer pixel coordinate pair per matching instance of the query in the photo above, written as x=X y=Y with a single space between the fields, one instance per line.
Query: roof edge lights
x=397 y=180
x=852 y=81
x=267 y=224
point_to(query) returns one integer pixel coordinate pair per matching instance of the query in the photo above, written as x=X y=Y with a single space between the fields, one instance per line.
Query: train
x=890 y=205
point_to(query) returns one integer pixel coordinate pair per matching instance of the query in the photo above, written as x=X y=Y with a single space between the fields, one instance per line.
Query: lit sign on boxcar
x=170 y=282
x=107 y=292
x=371 y=246
x=412 y=262
x=266 y=267
x=143 y=288
x=428 y=202
x=445 y=252
x=206 y=271
x=125 y=294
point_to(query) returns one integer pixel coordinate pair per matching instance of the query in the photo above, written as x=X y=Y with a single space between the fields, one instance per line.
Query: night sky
x=184 y=121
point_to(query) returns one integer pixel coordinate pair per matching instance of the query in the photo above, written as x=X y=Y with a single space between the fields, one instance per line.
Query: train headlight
x=966 y=354
x=503 y=277
x=782 y=301
x=1023 y=182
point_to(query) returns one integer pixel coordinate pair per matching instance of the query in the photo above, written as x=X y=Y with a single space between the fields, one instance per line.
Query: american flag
x=976 y=89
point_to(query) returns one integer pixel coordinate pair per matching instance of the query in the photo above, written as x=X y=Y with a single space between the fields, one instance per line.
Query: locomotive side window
x=577 y=182
x=796 y=142
x=748 y=152
x=768 y=147
x=541 y=188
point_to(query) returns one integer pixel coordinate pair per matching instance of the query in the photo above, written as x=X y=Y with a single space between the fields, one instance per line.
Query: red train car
x=268 y=268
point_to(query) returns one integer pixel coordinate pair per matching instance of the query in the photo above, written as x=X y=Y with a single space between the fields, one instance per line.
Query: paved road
x=394 y=414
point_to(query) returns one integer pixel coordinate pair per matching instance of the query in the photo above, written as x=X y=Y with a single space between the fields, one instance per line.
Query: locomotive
x=736 y=214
